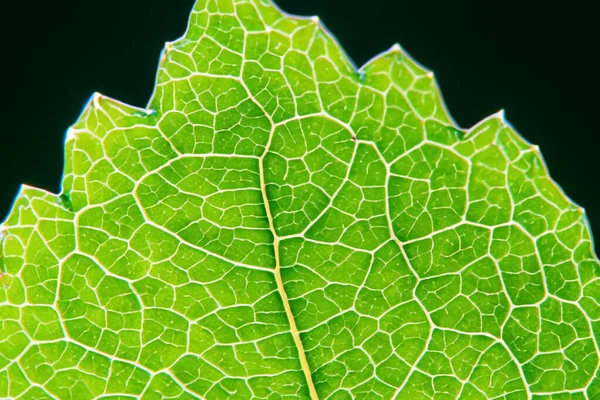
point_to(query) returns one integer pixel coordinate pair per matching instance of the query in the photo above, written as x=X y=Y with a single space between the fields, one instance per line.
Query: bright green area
x=419 y=260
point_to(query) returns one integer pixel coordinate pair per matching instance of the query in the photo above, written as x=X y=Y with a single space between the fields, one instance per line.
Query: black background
x=537 y=61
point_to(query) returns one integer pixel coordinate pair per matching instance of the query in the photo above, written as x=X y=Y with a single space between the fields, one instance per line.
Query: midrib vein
x=286 y=303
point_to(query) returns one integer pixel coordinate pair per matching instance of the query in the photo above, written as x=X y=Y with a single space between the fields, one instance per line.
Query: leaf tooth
x=501 y=115
x=396 y=48
x=3 y=232
x=71 y=134
x=97 y=97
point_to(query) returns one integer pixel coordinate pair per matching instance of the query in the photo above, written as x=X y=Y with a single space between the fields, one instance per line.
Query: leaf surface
x=278 y=224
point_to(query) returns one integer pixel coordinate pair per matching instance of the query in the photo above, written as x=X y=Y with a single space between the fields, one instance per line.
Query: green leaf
x=278 y=224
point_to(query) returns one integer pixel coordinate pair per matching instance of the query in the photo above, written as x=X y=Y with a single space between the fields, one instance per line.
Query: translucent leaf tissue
x=280 y=225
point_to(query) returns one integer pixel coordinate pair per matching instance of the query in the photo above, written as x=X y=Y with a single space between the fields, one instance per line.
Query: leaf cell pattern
x=280 y=225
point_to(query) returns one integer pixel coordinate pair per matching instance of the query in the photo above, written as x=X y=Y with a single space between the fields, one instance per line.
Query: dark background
x=537 y=61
